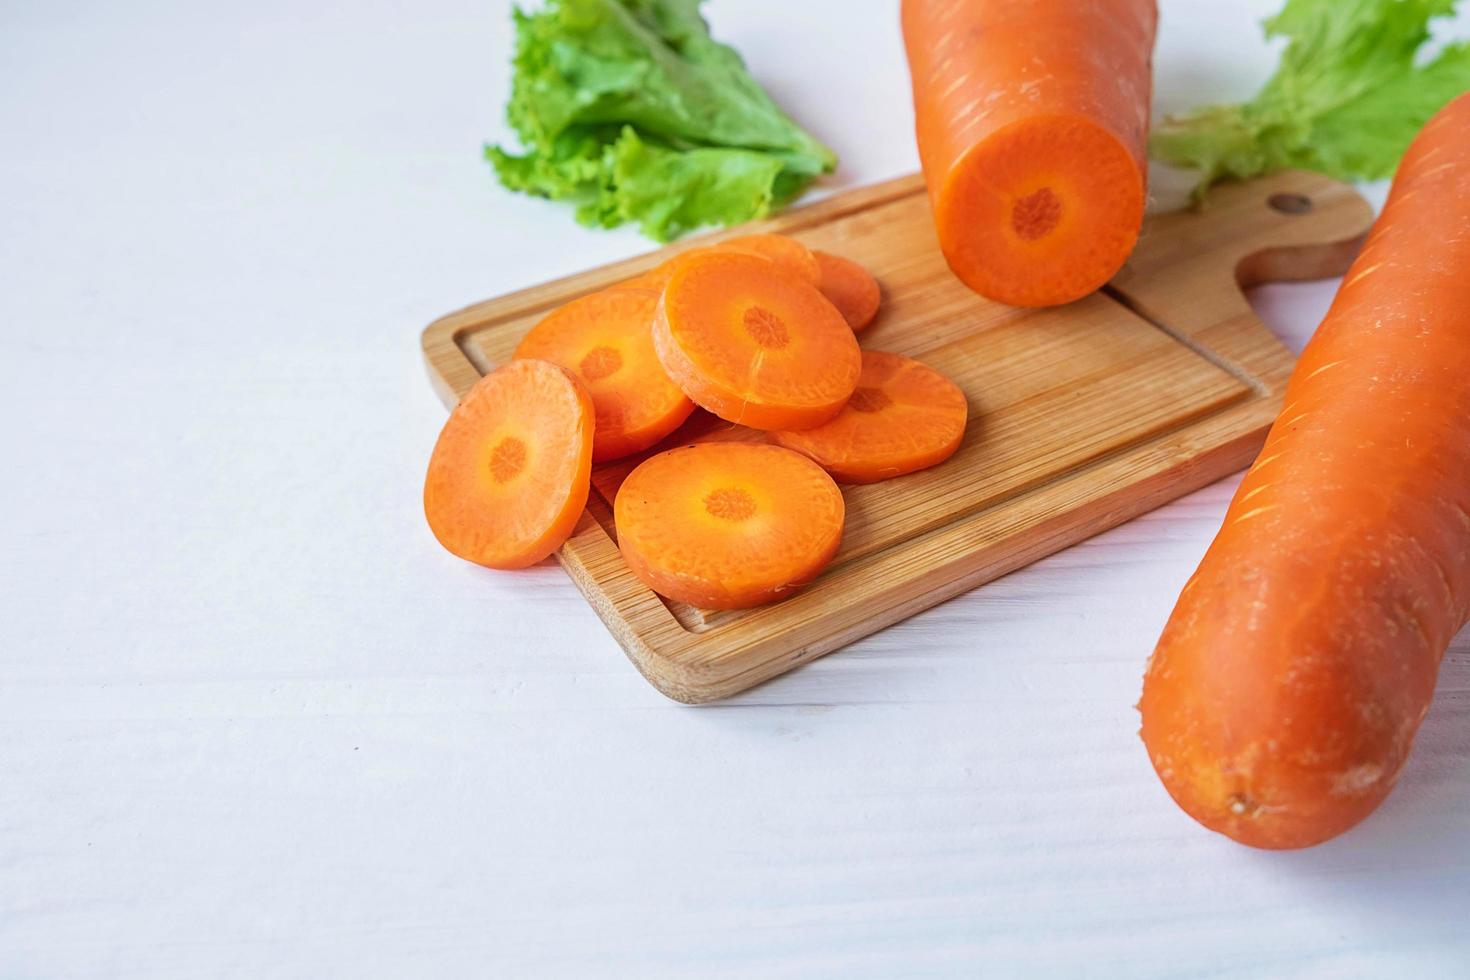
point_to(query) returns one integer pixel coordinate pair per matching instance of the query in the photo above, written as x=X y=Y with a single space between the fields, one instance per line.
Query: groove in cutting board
x=1081 y=416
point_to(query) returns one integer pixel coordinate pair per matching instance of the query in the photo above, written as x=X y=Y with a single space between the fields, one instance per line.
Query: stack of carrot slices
x=754 y=344
x=758 y=330
x=605 y=340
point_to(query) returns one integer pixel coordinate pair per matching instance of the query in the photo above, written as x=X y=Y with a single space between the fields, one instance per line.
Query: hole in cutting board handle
x=1289 y=203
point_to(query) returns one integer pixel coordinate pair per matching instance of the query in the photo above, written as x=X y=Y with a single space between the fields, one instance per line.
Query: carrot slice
x=1032 y=122
x=509 y=475
x=651 y=281
x=658 y=277
x=850 y=288
x=606 y=340
x=753 y=344
x=904 y=416
x=727 y=525
x=787 y=253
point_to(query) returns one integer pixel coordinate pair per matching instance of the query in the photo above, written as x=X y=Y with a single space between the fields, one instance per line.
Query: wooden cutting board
x=1081 y=416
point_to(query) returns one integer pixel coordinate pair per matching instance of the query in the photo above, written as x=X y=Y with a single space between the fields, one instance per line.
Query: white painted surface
x=254 y=723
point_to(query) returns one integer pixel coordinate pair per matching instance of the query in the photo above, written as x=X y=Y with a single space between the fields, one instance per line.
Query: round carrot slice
x=726 y=525
x=509 y=475
x=606 y=340
x=904 y=416
x=653 y=281
x=754 y=345
x=658 y=277
x=850 y=288
x=786 y=253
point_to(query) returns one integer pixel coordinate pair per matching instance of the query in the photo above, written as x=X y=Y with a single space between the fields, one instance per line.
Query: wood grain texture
x=1081 y=416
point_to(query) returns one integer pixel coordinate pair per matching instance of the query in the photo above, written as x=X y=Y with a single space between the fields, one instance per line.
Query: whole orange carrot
x=1284 y=695
x=1032 y=120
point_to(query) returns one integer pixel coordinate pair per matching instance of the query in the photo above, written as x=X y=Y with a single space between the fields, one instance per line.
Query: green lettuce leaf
x=1348 y=96
x=630 y=109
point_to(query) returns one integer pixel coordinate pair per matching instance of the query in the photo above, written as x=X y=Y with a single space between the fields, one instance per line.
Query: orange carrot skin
x=1032 y=120
x=1287 y=687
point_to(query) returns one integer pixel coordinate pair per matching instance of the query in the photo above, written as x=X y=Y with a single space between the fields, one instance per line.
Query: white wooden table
x=254 y=723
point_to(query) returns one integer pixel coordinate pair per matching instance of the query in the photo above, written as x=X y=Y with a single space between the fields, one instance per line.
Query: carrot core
x=869 y=400
x=599 y=363
x=730 y=504
x=1036 y=214
x=507 y=459
x=766 y=328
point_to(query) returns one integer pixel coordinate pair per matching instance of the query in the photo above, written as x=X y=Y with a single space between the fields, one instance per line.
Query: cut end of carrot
x=1044 y=211
x=726 y=525
x=606 y=339
x=509 y=475
x=754 y=345
x=850 y=288
x=904 y=416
